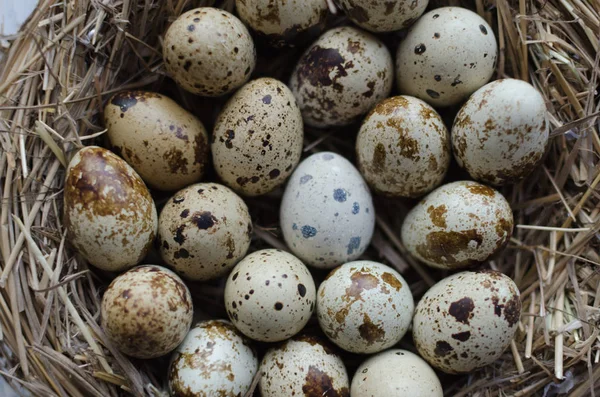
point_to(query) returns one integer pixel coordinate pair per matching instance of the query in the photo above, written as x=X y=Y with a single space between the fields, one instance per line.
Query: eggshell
x=270 y=295
x=147 y=311
x=447 y=55
x=327 y=215
x=109 y=214
x=395 y=373
x=341 y=77
x=213 y=360
x=203 y=231
x=258 y=136
x=467 y=320
x=283 y=22
x=364 y=307
x=383 y=16
x=209 y=52
x=303 y=366
x=458 y=225
x=501 y=133
x=165 y=144
x=403 y=147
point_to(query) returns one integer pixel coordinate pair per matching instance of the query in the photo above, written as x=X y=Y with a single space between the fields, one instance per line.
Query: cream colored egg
x=213 y=360
x=447 y=55
x=383 y=16
x=209 y=52
x=341 y=77
x=258 y=136
x=147 y=311
x=395 y=373
x=501 y=133
x=270 y=295
x=467 y=320
x=458 y=225
x=163 y=142
x=203 y=231
x=303 y=366
x=283 y=22
x=403 y=147
x=110 y=216
x=364 y=307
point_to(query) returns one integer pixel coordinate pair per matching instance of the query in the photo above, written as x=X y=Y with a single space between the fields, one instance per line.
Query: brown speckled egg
x=303 y=366
x=403 y=147
x=147 y=311
x=213 y=360
x=270 y=295
x=364 y=307
x=383 y=16
x=258 y=136
x=110 y=216
x=163 y=142
x=341 y=77
x=203 y=231
x=209 y=52
x=284 y=22
x=458 y=225
x=447 y=55
x=467 y=320
x=501 y=133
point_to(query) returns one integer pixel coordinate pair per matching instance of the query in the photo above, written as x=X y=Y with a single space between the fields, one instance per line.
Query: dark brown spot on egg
x=442 y=348
x=176 y=161
x=179 y=237
x=462 y=336
x=483 y=29
x=433 y=94
x=392 y=280
x=182 y=253
x=302 y=290
x=369 y=93
x=191 y=28
x=319 y=384
x=438 y=215
x=420 y=49
x=204 y=220
x=440 y=247
x=462 y=310
x=230 y=244
x=126 y=294
x=512 y=310
x=274 y=173
x=379 y=155
x=278 y=306
x=317 y=66
x=370 y=332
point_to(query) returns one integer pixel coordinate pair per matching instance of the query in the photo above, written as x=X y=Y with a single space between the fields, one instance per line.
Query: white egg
x=364 y=306
x=213 y=360
x=395 y=373
x=467 y=320
x=383 y=16
x=327 y=215
x=501 y=133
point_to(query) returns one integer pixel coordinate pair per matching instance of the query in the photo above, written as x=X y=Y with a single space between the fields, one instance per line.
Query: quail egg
x=383 y=16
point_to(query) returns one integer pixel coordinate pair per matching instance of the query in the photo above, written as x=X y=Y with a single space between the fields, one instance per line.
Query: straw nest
x=70 y=56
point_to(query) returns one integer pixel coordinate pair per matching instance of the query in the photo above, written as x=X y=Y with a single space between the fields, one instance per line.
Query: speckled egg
x=395 y=373
x=203 y=231
x=501 y=133
x=467 y=320
x=383 y=16
x=147 y=311
x=403 y=147
x=327 y=215
x=303 y=366
x=270 y=295
x=109 y=214
x=284 y=22
x=165 y=144
x=209 y=52
x=341 y=77
x=258 y=136
x=213 y=360
x=447 y=54
x=364 y=307
x=458 y=225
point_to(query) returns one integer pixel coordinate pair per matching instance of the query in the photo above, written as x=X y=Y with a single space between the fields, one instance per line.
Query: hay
x=71 y=55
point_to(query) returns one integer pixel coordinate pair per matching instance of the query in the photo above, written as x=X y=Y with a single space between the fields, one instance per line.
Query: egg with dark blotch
x=203 y=231
x=164 y=143
x=327 y=216
x=270 y=295
x=383 y=16
x=213 y=360
x=458 y=225
x=341 y=77
x=467 y=320
x=258 y=136
x=147 y=311
x=109 y=214
x=303 y=366
x=209 y=52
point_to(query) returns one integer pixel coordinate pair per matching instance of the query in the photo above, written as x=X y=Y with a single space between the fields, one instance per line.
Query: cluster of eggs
x=327 y=216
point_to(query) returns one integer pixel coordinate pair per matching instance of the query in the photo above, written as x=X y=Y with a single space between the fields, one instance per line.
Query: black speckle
x=124 y=100
x=185 y=213
x=278 y=306
x=301 y=290
x=462 y=336
x=204 y=220
x=339 y=195
x=436 y=35
x=355 y=208
x=187 y=65
x=274 y=173
x=182 y=253
x=179 y=237
x=436 y=16
x=419 y=49
x=191 y=27
x=437 y=77
x=235 y=276
x=442 y=348
x=230 y=135
x=196 y=20
x=483 y=29
x=433 y=94
x=267 y=99
x=308 y=231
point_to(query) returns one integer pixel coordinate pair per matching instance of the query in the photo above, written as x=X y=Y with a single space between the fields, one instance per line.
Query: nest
x=71 y=56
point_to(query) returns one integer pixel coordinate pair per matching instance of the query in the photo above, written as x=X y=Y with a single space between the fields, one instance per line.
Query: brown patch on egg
x=512 y=310
x=390 y=106
x=392 y=280
x=462 y=310
x=379 y=155
x=482 y=190
x=317 y=65
x=360 y=281
x=441 y=246
x=370 y=332
x=319 y=383
x=438 y=215
x=409 y=147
